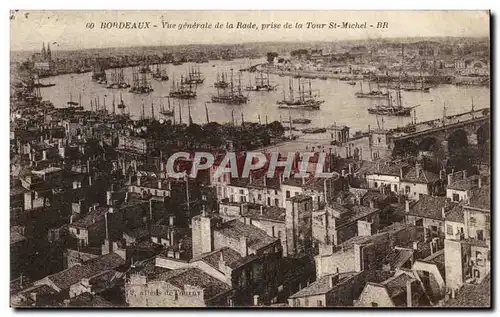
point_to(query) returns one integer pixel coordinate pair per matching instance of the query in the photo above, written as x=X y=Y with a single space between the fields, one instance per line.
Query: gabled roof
x=195 y=277
x=481 y=198
x=256 y=238
x=322 y=285
x=228 y=255
x=424 y=177
x=431 y=207
x=64 y=279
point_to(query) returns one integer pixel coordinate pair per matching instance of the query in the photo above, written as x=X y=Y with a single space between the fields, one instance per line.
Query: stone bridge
x=459 y=130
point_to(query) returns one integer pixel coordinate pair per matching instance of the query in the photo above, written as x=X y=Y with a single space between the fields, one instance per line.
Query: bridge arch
x=457 y=140
x=483 y=134
x=428 y=144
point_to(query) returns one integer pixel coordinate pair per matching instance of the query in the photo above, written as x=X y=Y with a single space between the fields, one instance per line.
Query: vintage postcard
x=250 y=158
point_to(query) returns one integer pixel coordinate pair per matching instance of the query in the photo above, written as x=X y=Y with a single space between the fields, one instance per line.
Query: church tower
x=44 y=53
x=49 y=53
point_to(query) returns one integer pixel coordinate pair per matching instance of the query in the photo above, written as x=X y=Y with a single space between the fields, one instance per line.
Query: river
x=340 y=107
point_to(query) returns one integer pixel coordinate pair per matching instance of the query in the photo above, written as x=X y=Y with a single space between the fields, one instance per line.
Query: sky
x=66 y=30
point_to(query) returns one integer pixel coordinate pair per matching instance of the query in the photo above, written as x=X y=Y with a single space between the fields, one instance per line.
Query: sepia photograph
x=251 y=158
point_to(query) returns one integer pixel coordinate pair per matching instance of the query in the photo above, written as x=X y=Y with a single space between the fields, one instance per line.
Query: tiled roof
x=16 y=237
x=473 y=295
x=195 y=277
x=89 y=300
x=256 y=238
x=481 y=198
x=91 y=218
x=464 y=184
x=396 y=285
x=397 y=257
x=322 y=285
x=229 y=256
x=391 y=169
x=456 y=214
x=64 y=279
x=424 y=177
x=138 y=233
x=268 y=213
x=431 y=207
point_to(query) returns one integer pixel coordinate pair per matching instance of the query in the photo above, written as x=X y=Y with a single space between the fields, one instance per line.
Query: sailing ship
x=418 y=85
x=166 y=112
x=160 y=74
x=221 y=81
x=262 y=83
x=299 y=121
x=194 y=77
x=98 y=73
x=305 y=100
x=371 y=93
x=391 y=109
x=231 y=95
x=121 y=105
x=140 y=84
x=182 y=90
x=118 y=80
x=144 y=69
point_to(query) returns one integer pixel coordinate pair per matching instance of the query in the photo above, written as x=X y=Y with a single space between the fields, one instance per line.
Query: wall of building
x=453 y=264
x=308 y=301
x=343 y=261
x=162 y=294
x=374 y=295
x=375 y=181
x=415 y=190
x=462 y=194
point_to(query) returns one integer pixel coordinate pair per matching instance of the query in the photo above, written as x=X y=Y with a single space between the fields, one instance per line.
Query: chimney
x=480 y=181
x=442 y=173
x=303 y=180
x=464 y=172
x=343 y=172
x=139 y=180
x=44 y=155
x=408 y=294
x=171 y=237
x=256 y=300
x=126 y=197
x=261 y=210
x=415 y=245
x=407 y=206
x=203 y=212
x=108 y=198
x=273 y=233
x=350 y=168
x=71 y=219
x=443 y=214
x=418 y=168
x=450 y=179
x=431 y=244
x=222 y=263
x=401 y=172
x=243 y=246
x=159 y=184
x=371 y=203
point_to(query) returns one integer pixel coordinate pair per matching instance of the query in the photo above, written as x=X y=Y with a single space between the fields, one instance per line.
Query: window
x=479 y=258
x=276 y=192
x=449 y=229
x=259 y=196
x=480 y=235
x=176 y=296
x=375 y=185
x=320 y=303
x=241 y=191
x=374 y=304
x=287 y=194
x=77 y=231
x=395 y=188
x=379 y=140
x=306 y=301
x=276 y=202
x=407 y=189
x=269 y=201
x=487 y=218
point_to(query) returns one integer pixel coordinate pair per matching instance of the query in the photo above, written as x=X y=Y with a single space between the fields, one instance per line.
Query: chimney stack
x=108 y=198
x=126 y=197
x=244 y=246
x=464 y=174
x=415 y=245
x=407 y=206
x=261 y=210
x=333 y=280
x=408 y=294
x=371 y=203
x=480 y=181
x=44 y=155
x=159 y=184
x=443 y=214
x=170 y=220
x=138 y=180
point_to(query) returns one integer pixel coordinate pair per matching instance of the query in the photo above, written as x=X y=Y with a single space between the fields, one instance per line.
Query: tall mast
x=206 y=113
